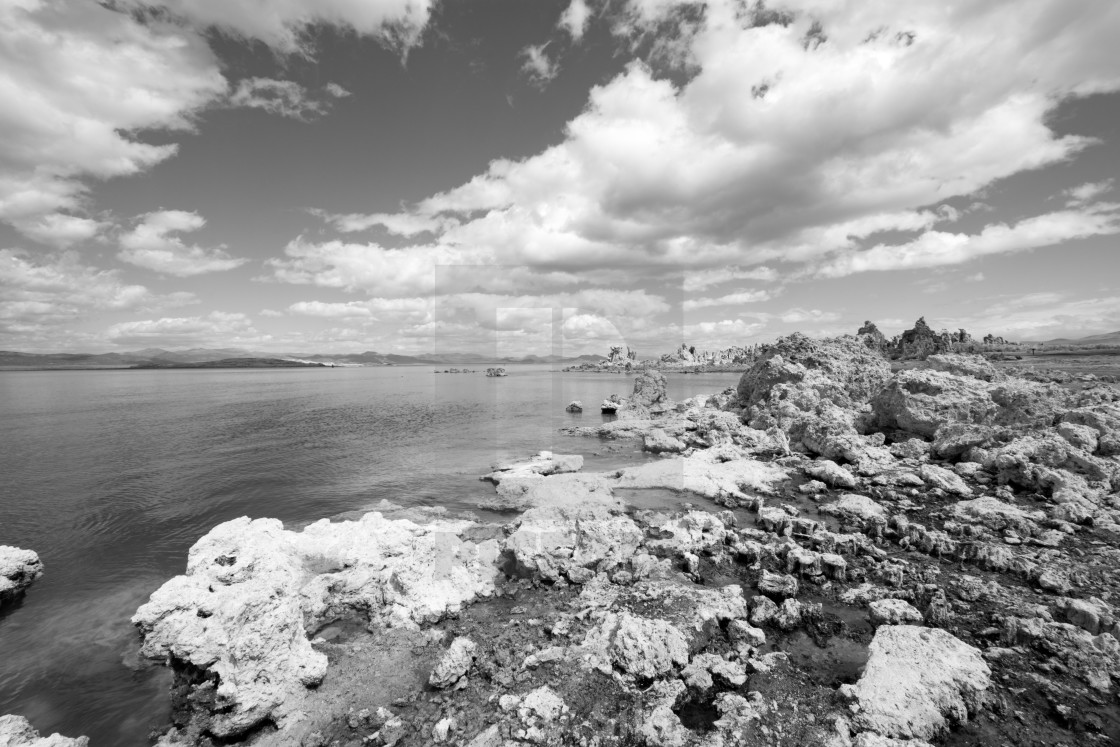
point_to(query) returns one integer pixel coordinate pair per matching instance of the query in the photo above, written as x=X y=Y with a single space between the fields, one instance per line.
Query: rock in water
x=575 y=406
x=918 y=682
x=454 y=664
x=649 y=388
x=16 y=731
x=251 y=587
x=18 y=569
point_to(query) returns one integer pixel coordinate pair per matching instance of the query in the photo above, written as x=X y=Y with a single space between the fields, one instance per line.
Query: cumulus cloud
x=215 y=328
x=731 y=299
x=400 y=224
x=704 y=279
x=399 y=309
x=284 y=98
x=802 y=316
x=42 y=295
x=575 y=17
x=76 y=81
x=281 y=24
x=151 y=245
x=1086 y=193
x=337 y=91
x=1042 y=316
x=938 y=248
x=803 y=131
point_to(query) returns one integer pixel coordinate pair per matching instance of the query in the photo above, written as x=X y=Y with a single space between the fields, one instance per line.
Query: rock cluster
x=18 y=570
x=16 y=731
x=859 y=557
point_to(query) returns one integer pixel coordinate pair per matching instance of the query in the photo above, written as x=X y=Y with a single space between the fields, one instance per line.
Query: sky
x=554 y=176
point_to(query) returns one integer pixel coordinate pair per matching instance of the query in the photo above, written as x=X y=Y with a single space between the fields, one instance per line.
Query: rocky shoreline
x=829 y=554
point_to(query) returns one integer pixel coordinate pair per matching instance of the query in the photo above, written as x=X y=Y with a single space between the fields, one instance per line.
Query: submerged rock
x=16 y=731
x=918 y=682
x=18 y=570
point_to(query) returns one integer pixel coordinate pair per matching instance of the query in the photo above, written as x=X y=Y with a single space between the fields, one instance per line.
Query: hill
x=1106 y=338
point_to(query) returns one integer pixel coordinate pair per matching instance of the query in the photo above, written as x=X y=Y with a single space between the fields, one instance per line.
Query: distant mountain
x=231 y=363
x=160 y=358
x=1106 y=338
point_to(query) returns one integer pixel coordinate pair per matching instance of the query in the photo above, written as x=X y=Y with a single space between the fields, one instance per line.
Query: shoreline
x=698 y=597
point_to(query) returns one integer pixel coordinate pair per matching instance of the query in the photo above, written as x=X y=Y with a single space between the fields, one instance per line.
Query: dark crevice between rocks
x=698 y=713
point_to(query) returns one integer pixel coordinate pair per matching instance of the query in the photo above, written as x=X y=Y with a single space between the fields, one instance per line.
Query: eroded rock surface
x=16 y=731
x=18 y=570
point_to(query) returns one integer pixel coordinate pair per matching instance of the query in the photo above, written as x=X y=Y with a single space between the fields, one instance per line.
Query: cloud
x=281 y=24
x=401 y=224
x=732 y=299
x=538 y=66
x=151 y=245
x=409 y=309
x=574 y=19
x=41 y=296
x=285 y=98
x=793 y=140
x=215 y=328
x=1043 y=316
x=77 y=80
x=703 y=279
x=337 y=91
x=938 y=248
x=802 y=316
x=1087 y=193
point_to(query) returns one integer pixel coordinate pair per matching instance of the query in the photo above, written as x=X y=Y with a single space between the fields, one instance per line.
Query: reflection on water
x=112 y=475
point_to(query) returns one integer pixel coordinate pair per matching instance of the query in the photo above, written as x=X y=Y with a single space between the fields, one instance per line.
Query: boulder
x=939 y=477
x=918 y=682
x=252 y=590
x=830 y=473
x=660 y=442
x=919 y=401
x=574 y=406
x=543 y=463
x=974 y=366
x=554 y=541
x=894 y=612
x=704 y=474
x=640 y=646
x=16 y=731
x=842 y=369
x=777 y=585
x=857 y=509
x=18 y=570
x=454 y=664
x=649 y=388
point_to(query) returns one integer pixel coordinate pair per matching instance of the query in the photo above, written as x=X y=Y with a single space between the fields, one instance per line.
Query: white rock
x=939 y=477
x=454 y=663
x=551 y=541
x=542 y=704
x=858 y=508
x=658 y=441
x=830 y=473
x=700 y=474
x=18 y=569
x=640 y=646
x=544 y=463
x=894 y=612
x=16 y=731
x=919 y=681
x=251 y=586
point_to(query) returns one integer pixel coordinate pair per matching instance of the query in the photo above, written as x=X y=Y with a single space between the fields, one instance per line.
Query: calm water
x=112 y=475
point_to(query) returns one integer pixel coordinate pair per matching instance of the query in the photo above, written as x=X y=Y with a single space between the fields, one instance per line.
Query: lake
x=111 y=476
